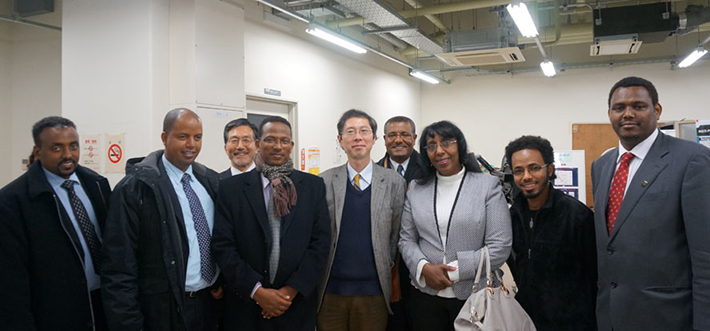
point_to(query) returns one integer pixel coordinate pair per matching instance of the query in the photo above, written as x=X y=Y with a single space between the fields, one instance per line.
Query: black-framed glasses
x=431 y=147
x=532 y=169
x=404 y=135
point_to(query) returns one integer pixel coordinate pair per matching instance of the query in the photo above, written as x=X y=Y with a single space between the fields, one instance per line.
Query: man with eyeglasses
x=365 y=203
x=271 y=238
x=553 y=259
x=240 y=138
x=400 y=137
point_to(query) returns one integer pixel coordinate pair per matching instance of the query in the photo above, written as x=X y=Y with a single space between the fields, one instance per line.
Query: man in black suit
x=240 y=137
x=51 y=220
x=652 y=220
x=400 y=137
x=159 y=273
x=271 y=239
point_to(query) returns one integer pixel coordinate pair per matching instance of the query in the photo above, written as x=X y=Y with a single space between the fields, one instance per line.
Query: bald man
x=158 y=270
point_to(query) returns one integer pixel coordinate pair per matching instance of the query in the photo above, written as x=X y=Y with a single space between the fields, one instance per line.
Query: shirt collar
x=174 y=172
x=264 y=181
x=365 y=174
x=404 y=164
x=236 y=171
x=57 y=181
x=641 y=149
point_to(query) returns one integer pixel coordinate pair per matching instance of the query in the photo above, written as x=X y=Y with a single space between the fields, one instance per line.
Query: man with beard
x=50 y=237
x=271 y=238
x=554 y=254
x=159 y=272
x=240 y=137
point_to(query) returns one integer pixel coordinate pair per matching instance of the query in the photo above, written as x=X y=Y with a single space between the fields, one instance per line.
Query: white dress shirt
x=404 y=165
x=365 y=176
x=640 y=151
x=236 y=171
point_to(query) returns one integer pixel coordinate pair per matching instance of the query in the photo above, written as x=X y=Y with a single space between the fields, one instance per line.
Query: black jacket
x=145 y=248
x=412 y=168
x=556 y=273
x=242 y=241
x=41 y=259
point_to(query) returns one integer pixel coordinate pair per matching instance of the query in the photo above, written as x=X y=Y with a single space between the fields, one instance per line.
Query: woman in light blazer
x=450 y=213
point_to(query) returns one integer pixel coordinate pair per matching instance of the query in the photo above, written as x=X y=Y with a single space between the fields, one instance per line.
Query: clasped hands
x=437 y=275
x=273 y=302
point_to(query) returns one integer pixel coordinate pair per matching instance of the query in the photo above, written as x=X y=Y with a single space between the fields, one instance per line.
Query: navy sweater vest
x=354 y=271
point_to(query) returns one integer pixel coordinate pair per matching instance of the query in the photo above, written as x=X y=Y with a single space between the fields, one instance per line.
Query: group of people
x=388 y=245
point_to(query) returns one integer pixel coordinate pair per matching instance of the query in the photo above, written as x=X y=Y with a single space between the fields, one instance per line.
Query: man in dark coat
x=400 y=137
x=554 y=254
x=158 y=273
x=271 y=239
x=51 y=219
x=240 y=137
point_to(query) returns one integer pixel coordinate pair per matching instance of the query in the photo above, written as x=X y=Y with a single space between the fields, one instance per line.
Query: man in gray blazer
x=365 y=203
x=652 y=220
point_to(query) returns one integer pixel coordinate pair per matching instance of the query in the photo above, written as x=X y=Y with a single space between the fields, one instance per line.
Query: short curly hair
x=531 y=142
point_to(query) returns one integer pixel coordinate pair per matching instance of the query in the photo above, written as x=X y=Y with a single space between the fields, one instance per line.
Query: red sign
x=303 y=159
x=114 y=153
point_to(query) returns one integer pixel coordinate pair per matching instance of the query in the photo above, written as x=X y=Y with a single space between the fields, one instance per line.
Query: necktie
x=400 y=170
x=275 y=225
x=356 y=183
x=207 y=267
x=87 y=228
x=616 y=194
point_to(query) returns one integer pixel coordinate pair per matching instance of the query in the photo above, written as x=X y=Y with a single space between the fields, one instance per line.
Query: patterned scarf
x=282 y=188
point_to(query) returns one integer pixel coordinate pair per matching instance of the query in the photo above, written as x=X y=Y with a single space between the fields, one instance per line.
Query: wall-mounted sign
x=272 y=92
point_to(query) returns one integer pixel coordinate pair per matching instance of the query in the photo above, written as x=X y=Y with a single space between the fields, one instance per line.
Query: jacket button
x=610 y=250
x=172 y=262
x=613 y=284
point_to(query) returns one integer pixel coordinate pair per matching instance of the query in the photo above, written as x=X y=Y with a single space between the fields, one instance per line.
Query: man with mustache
x=554 y=254
x=365 y=202
x=652 y=220
x=240 y=137
x=400 y=136
x=51 y=221
x=271 y=238
x=159 y=272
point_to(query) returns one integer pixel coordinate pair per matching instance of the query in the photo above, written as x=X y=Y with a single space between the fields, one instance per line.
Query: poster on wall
x=91 y=154
x=115 y=153
x=703 y=128
x=570 y=171
x=313 y=160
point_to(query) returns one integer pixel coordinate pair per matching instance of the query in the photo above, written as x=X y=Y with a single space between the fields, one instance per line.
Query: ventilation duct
x=481 y=47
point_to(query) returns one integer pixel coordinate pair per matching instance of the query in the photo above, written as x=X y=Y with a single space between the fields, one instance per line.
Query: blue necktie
x=207 y=267
x=400 y=170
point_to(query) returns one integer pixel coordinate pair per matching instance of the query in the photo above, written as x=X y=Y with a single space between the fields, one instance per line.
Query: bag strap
x=485 y=258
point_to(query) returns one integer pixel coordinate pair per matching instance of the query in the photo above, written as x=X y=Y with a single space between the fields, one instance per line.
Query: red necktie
x=616 y=194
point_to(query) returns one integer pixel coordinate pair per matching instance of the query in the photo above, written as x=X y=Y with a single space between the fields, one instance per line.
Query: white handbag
x=491 y=308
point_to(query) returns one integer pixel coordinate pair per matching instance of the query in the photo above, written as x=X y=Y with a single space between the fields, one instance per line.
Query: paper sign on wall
x=703 y=127
x=91 y=154
x=313 y=160
x=115 y=153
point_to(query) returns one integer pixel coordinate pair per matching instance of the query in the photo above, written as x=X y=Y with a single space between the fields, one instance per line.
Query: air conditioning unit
x=482 y=57
x=615 y=45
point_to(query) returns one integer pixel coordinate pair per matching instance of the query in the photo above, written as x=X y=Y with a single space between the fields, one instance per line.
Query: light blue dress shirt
x=193 y=277
x=365 y=176
x=92 y=278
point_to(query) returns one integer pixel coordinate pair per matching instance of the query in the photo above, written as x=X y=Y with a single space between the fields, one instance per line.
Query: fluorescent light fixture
x=692 y=57
x=283 y=10
x=522 y=19
x=548 y=68
x=334 y=38
x=424 y=76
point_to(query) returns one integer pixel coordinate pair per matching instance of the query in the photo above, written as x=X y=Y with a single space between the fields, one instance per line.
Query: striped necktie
x=356 y=183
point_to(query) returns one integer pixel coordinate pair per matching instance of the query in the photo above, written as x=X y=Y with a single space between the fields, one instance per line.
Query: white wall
x=325 y=84
x=493 y=110
x=5 y=101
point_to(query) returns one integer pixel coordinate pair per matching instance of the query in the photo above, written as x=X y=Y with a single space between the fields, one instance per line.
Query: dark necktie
x=400 y=170
x=87 y=228
x=616 y=194
x=207 y=267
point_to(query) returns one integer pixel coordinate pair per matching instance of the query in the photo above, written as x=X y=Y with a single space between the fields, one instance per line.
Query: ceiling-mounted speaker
x=26 y=8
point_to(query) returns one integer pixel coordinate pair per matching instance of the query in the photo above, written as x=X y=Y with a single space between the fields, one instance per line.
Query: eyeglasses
x=532 y=169
x=353 y=132
x=245 y=141
x=404 y=135
x=431 y=147
x=273 y=141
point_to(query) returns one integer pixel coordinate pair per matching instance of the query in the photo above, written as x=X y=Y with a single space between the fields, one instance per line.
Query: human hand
x=273 y=302
x=289 y=291
x=436 y=275
x=217 y=293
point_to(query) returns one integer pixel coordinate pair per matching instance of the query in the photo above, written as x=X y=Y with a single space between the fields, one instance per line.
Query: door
x=594 y=139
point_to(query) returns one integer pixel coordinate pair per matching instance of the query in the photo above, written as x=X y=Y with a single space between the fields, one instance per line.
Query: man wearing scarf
x=271 y=238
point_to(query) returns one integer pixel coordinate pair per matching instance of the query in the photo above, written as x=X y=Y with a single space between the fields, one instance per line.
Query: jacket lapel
x=340 y=180
x=255 y=195
x=647 y=173
x=607 y=173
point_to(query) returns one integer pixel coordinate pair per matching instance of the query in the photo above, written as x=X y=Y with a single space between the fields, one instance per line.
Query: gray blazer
x=654 y=268
x=386 y=203
x=480 y=218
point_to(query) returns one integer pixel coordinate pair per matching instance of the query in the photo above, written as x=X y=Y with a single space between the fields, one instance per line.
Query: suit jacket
x=654 y=268
x=412 y=168
x=225 y=174
x=41 y=259
x=386 y=202
x=242 y=241
x=145 y=248
x=480 y=218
